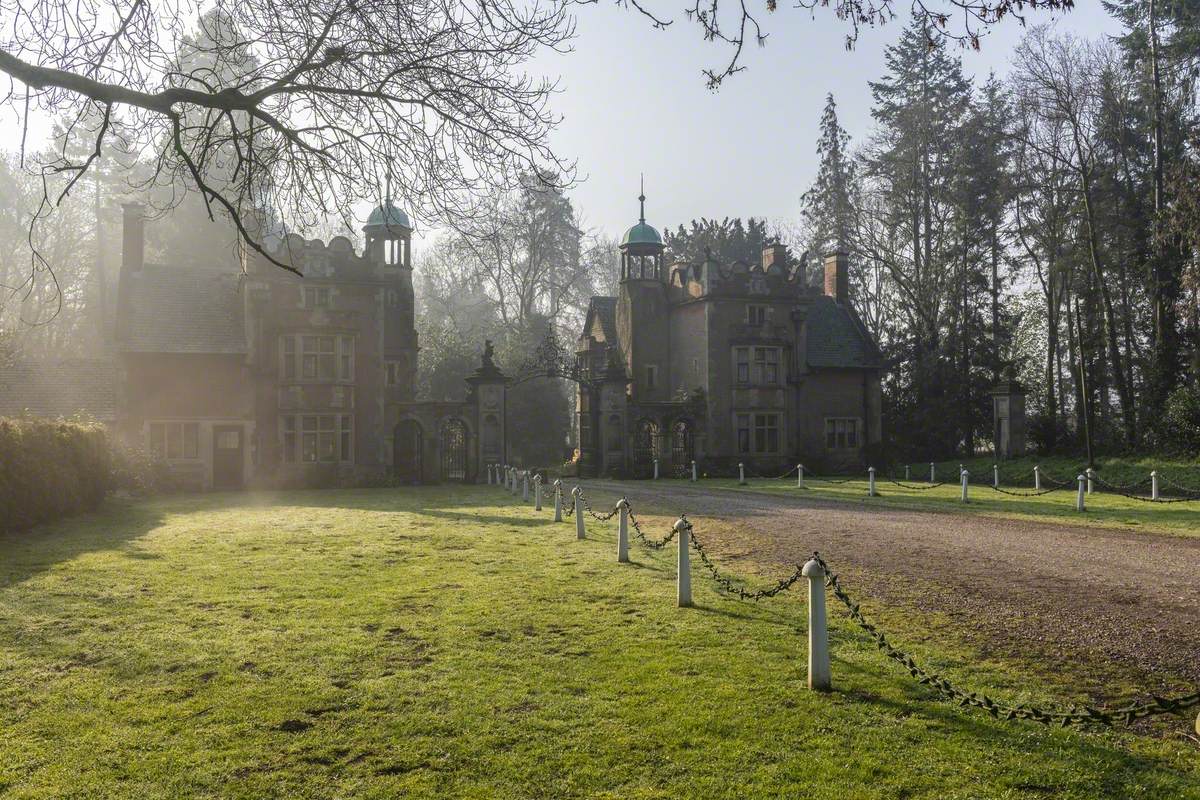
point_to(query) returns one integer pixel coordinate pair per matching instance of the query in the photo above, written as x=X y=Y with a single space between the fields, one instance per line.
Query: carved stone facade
x=259 y=376
x=724 y=363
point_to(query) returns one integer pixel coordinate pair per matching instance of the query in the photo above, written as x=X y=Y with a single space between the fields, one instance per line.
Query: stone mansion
x=724 y=363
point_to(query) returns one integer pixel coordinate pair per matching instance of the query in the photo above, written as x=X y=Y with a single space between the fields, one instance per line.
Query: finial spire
x=642 y=199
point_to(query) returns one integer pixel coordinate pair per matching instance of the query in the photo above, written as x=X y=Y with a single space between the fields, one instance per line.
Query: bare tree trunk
x=1124 y=392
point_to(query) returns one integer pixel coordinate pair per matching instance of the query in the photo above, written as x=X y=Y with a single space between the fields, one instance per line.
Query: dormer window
x=316 y=296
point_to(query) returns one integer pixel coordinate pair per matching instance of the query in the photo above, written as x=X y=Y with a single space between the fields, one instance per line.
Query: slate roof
x=61 y=388
x=837 y=339
x=606 y=309
x=173 y=310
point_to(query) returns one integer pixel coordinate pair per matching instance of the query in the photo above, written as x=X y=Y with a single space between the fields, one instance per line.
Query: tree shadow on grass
x=116 y=525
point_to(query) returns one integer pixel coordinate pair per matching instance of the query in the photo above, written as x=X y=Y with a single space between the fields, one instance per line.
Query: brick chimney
x=133 y=238
x=837 y=277
x=775 y=254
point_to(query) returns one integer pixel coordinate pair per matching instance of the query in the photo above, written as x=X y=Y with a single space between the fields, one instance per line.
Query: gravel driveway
x=1060 y=591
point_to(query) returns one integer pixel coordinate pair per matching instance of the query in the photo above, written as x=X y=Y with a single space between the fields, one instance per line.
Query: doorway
x=228 y=460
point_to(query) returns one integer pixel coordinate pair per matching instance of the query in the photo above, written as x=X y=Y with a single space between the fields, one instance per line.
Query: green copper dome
x=641 y=234
x=388 y=216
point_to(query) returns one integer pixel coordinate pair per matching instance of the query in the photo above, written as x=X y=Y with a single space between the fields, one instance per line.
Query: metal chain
x=1058 y=483
x=1179 y=487
x=918 y=487
x=1077 y=716
x=654 y=544
x=727 y=584
x=1023 y=494
x=588 y=508
x=1118 y=488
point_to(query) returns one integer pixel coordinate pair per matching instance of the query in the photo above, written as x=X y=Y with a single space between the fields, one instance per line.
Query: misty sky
x=633 y=100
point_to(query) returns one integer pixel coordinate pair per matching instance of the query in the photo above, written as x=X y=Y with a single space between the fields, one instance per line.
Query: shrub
x=1181 y=420
x=50 y=469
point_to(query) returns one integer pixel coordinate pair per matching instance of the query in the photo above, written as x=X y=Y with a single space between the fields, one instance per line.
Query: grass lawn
x=1104 y=509
x=451 y=643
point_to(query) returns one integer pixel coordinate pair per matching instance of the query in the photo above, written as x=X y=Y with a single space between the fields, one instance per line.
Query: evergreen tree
x=826 y=207
x=913 y=165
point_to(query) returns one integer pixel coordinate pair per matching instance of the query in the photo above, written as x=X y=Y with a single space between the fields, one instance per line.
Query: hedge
x=50 y=469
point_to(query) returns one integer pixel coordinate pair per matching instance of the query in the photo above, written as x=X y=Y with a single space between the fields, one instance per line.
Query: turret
x=389 y=237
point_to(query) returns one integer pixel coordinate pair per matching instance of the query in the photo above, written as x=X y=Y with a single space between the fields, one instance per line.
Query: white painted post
x=1154 y=485
x=684 y=568
x=907 y=477
x=995 y=476
x=489 y=473
x=623 y=531
x=577 y=493
x=932 y=473
x=537 y=492
x=693 y=470
x=656 y=469
x=558 y=501
x=525 y=486
x=741 y=473
x=1089 y=480
x=1037 y=478
x=818 y=633
x=871 y=482
x=799 y=476
x=1079 y=504
x=965 y=476
x=512 y=488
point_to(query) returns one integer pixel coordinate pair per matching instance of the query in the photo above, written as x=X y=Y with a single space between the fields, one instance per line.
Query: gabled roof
x=60 y=388
x=603 y=309
x=176 y=310
x=837 y=339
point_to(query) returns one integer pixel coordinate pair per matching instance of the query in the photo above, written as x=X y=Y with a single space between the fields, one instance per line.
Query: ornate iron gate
x=454 y=450
x=682 y=451
x=645 y=439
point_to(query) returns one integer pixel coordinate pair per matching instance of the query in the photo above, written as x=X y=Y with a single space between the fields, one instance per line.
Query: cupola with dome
x=389 y=236
x=641 y=249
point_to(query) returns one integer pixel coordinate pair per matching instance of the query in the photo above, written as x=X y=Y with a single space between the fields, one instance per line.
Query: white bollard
x=932 y=473
x=1037 y=478
x=623 y=531
x=818 y=631
x=537 y=492
x=684 y=580
x=799 y=476
x=558 y=501
x=489 y=473
x=1079 y=504
x=693 y=471
x=1154 y=485
x=656 y=469
x=995 y=476
x=870 y=482
x=741 y=474
x=525 y=486
x=512 y=482
x=907 y=477
x=577 y=493
x=966 y=479
x=1088 y=471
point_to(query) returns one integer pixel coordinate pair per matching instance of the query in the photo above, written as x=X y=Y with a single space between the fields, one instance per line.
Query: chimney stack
x=775 y=255
x=133 y=238
x=837 y=276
